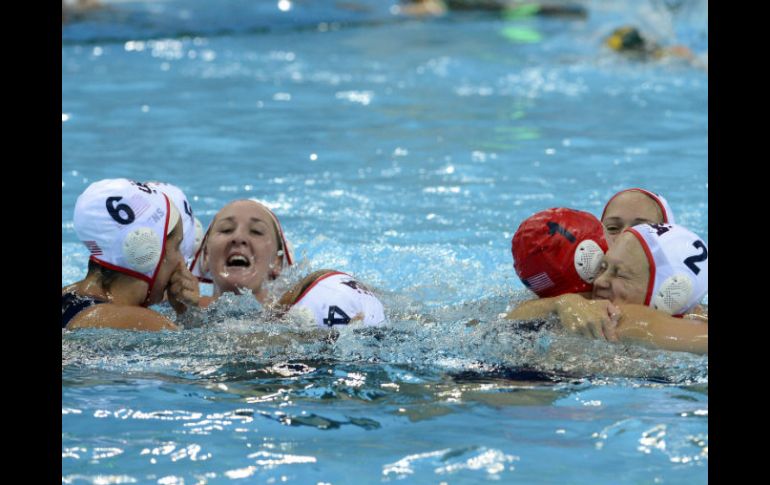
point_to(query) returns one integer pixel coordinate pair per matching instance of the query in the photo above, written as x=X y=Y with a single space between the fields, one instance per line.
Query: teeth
x=239 y=260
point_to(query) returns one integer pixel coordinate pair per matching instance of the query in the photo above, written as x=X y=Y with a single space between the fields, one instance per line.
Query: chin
x=235 y=284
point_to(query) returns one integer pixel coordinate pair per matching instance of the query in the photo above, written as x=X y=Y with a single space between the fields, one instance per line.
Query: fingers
x=603 y=324
x=183 y=287
x=610 y=327
x=597 y=319
x=595 y=329
x=614 y=312
x=609 y=330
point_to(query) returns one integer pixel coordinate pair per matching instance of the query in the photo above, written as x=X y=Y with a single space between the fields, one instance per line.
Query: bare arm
x=533 y=309
x=591 y=318
x=124 y=317
x=644 y=325
x=627 y=323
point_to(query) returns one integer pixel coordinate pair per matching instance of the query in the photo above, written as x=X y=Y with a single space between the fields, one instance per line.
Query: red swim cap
x=558 y=251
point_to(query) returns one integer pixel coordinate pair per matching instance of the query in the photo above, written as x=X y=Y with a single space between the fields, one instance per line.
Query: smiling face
x=629 y=209
x=624 y=272
x=241 y=250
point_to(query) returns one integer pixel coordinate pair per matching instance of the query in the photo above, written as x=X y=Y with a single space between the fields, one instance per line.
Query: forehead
x=244 y=210
x=634 y=205
x=628 y=251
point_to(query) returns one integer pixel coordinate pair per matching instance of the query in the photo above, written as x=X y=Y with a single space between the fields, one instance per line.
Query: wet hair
x=106 y=276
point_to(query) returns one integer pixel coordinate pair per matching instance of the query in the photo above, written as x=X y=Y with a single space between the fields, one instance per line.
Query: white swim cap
x=124 y=225
x=286 y=253
x=679 y=266
x=668 y=214
x=188 y=219
x=198 y=235
x=196 y=265
x=337 y=298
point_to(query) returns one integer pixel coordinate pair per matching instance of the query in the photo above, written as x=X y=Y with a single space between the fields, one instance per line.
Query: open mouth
x=238 y=260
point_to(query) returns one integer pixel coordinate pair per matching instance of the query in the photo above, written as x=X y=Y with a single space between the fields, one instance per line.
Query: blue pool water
x=406 y=152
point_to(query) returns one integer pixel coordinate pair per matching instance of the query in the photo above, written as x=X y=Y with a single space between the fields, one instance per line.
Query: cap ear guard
x=286 y=253
x=673 y=295
x=141 y=249
x=588 y=258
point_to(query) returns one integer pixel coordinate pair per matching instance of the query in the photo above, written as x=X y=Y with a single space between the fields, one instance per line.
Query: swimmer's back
x=335 y=298
x=86 y=311
x=73 y=304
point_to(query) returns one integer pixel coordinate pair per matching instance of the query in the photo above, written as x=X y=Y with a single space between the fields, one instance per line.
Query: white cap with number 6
x=124 y=225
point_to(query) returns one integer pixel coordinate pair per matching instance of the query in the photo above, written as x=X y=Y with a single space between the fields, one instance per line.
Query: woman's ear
x=276 y=266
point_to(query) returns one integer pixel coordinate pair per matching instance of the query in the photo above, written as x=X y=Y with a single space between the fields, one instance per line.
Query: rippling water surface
x=406 y=152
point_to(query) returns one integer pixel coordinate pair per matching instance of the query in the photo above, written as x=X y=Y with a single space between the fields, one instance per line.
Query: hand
x=590 y=318
x=183 y=289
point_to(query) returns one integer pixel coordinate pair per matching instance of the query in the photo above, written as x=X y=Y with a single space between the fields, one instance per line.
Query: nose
x=238 y=236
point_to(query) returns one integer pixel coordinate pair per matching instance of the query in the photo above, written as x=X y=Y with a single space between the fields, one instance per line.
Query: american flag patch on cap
x=539 y=282
x=93 y=247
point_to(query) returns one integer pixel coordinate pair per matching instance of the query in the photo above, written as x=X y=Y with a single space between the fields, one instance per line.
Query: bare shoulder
x=125 y=317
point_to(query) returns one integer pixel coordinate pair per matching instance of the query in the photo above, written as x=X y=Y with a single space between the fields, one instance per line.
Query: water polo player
x=134 y=233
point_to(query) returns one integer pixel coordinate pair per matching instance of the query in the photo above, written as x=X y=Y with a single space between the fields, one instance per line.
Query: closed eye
x=617 y=273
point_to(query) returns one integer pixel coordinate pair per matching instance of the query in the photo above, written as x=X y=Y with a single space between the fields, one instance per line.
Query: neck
x=124 y=290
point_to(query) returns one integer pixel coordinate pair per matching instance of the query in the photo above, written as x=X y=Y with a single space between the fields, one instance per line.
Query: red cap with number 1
x=558 y=251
